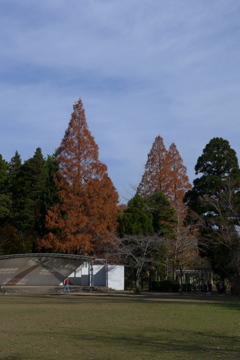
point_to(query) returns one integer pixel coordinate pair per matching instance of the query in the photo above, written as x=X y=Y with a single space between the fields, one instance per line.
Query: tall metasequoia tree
x=165 y=172
x=179 y=181
x=156 y=175
x=86 y=216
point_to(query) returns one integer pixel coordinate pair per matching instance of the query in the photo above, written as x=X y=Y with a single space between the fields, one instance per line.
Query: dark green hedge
x=165 y=286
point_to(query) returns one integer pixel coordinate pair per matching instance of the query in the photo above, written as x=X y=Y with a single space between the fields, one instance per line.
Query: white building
x=111 y=276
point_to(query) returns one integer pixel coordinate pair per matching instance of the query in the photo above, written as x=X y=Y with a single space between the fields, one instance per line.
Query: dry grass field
x=119 y=327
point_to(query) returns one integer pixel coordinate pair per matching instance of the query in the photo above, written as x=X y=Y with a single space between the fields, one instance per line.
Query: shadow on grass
x=147 y=343
x=111 y=331
x=232 y=302
x=159 y=341
x=200 y=299
x=143 y=297
x=162 y=340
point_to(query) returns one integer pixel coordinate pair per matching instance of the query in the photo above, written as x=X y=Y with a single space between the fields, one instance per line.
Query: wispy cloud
x=142 y=68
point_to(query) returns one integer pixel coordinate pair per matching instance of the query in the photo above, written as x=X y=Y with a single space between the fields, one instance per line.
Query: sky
x=142 y=68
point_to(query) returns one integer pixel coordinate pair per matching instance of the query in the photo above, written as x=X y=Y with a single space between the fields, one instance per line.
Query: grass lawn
x=119 y=327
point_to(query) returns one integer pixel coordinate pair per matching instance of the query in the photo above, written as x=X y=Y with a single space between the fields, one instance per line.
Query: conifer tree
x=182 y=248
x=24 y=186
x=215 y=202
x=164 y=172
x=12 y=184
x=49 y=196
x=27 y=185
x=85 y=217
x=5 y=198
x=156 y=175
x=14 y=165
x=179 y=182
x=143 y=226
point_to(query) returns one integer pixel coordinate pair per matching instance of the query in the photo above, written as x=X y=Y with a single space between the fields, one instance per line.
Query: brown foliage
x=179 y=183
x=86 y=216
x=164 y=172
x=156 y=175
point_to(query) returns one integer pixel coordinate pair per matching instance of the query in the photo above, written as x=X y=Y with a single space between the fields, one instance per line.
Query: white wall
x=116 y=277
x=111 y=276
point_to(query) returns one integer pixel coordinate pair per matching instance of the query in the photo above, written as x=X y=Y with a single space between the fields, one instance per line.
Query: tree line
x=67 y=203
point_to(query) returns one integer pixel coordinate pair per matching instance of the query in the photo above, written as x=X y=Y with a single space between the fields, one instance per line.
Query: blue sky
x=142 y=69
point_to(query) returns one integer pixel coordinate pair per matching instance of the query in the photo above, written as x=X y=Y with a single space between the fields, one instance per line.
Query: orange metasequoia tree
x=178 y=180
x=156 y=175
x=165 y=172
x=84 y=219
x=183 y=247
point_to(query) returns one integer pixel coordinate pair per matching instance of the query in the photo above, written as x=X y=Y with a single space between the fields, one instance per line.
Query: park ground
x=119 y=326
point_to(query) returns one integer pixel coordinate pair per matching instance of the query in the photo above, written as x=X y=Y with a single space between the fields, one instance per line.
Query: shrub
x=165 y=286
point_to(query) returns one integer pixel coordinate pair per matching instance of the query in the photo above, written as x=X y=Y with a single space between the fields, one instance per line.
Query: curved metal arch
x=39 y=268
x=53 y=255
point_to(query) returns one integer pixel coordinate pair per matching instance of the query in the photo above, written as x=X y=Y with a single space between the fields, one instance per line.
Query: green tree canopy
x=136 y=219
x=142 y=227
x=5 y=197
x=218 y=159
x=212 y=197
x=29 y=183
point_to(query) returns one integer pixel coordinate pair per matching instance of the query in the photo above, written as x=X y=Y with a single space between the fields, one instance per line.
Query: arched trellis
x=41 y=268
x=203 y=278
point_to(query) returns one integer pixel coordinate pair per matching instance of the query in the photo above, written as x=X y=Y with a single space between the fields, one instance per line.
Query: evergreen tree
x=143 y=227
x=10 y=238
x=49 y=195
x=136 y=219
x=215 y=200
x=163 y=214
x=218 y=159
x=12 y=242
x=5 y=197
x=14 y=165
x=85 y=217
x=27 y=188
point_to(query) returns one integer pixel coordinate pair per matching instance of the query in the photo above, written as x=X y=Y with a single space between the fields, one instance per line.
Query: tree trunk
x=138 y=282
x=181 y=282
